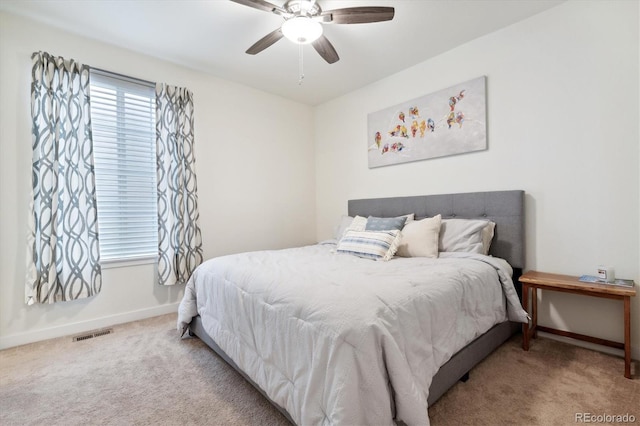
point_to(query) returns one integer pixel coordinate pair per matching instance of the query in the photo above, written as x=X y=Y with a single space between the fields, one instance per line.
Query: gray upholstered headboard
x=505 y=208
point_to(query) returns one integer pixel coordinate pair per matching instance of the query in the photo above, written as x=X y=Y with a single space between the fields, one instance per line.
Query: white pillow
x=420 y=238
x=345 y=222
x=487 y=236
x=378 y=245
x=358 y=224
x=410 y=217
x=466 y=235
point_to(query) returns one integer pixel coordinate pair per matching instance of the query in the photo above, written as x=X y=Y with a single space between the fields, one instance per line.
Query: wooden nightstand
x=540 y=280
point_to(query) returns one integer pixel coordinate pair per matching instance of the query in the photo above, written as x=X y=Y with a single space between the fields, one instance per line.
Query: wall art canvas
x=448 y=122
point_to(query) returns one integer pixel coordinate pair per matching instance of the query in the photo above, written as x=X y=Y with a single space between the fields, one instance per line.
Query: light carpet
x=143 y=374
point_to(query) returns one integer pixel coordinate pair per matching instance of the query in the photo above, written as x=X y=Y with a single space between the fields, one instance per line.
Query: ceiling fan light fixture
x=301 y=30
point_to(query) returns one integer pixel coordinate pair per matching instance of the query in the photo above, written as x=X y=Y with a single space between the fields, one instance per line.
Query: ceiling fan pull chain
x=300 y=65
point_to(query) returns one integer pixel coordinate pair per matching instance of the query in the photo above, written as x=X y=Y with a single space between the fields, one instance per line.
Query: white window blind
x=123 y=125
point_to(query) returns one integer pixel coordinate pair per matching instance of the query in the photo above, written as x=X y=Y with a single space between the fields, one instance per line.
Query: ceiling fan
x=303 y=19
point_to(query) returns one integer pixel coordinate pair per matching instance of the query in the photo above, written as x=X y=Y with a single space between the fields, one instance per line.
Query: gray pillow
x=385 y=223
x=464 y=235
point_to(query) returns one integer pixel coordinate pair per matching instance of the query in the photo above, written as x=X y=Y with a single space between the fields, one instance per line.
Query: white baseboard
x=635 y=350
x=84 y=326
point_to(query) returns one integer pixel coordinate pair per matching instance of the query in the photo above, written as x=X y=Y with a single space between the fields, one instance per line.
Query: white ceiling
x=212 y=36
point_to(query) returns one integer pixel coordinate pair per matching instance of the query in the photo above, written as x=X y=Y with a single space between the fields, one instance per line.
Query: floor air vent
x=93 y=334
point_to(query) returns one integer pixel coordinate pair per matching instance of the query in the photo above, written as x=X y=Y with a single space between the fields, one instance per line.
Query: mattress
x=337 y=339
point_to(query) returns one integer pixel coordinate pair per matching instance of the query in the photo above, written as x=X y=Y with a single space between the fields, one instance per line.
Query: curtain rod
x=125 y=77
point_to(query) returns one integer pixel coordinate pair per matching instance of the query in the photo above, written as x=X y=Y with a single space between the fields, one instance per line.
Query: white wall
x=255 y=171
x=562 y=98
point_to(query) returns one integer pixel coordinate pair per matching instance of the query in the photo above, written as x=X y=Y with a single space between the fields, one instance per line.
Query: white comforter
x=336 y=339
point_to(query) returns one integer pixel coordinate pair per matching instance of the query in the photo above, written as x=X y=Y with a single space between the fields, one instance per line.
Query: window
x=123 y=125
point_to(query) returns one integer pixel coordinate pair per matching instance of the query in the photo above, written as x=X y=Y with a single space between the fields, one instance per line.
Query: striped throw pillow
x=378 y=245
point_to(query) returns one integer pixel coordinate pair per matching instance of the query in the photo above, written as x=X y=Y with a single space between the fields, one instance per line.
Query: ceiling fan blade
x=261 y=5
x=360 y=15
x=324 y=47
x=265 y=42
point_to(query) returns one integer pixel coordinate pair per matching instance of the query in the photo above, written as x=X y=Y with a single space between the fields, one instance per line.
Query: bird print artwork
x=446 y=122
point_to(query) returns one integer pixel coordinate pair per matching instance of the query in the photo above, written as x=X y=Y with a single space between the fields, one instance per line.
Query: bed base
x=196 y=328
x=454 y=370
x=459 y=366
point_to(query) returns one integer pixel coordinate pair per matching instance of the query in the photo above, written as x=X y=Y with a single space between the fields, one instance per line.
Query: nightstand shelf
x=569 y=284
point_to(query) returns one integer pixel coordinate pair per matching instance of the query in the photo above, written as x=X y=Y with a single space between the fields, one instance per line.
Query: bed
x=330 y=338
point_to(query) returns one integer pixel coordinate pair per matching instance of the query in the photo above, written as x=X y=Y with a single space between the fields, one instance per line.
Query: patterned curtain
x=179 y=239
x=63 y=255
